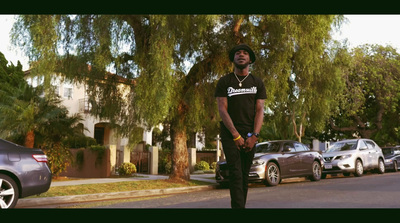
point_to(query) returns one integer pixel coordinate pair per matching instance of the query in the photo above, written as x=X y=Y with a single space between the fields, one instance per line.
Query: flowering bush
x=59 y=158
x=127 y=169
x=202 y=165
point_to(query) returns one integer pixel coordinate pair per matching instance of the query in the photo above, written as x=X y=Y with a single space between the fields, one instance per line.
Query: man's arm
x=226 y=119
x=258 y=121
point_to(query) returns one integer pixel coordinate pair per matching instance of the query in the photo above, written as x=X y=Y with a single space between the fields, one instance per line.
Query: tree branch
x=341 y=129
x=236 y=30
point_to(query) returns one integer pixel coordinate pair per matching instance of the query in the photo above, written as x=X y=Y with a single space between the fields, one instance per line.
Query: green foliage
x=127 y=169
x=101 y=151
x=79 y=141
x=368 y=107
x=213 y=165
x=97 y=148
x=10 y=74
x=23 y=109
x=79 y=159
x=168 y=167
x=202 y=165
x=135 y=136
x=164 y=161
x=59 y=158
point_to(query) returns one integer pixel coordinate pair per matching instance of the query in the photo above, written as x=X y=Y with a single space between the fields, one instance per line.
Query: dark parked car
x=23 y=172
x=275 y=160
x=392 y=157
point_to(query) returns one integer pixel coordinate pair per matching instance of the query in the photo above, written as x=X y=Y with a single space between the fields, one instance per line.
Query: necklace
x=240 y=82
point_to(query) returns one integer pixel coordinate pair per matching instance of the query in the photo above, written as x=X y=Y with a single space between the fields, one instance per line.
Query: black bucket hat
x=242 y=46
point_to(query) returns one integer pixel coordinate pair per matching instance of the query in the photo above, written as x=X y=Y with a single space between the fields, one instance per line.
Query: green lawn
x=117 y=187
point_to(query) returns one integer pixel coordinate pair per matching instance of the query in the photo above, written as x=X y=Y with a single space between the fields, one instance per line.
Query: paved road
x=369 y=191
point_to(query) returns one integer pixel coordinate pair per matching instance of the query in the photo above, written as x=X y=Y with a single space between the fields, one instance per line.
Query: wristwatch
x=252 y=134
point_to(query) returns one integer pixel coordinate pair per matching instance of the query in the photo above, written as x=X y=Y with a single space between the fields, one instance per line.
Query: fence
x=208 y=156
x=141 y=161
x=89 y=163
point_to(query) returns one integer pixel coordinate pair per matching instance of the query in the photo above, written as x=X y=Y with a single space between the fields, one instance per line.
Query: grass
x=117 y=187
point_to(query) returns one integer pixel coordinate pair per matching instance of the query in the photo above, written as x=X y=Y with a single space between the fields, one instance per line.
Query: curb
x=36 y=202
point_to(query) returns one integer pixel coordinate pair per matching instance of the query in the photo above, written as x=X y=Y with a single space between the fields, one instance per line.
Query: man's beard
x=241 y=66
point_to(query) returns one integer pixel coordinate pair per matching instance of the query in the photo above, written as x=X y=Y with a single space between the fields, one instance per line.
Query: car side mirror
x=363 y=148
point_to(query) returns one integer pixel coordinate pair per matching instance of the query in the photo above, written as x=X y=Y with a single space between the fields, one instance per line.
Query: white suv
x=353 y=156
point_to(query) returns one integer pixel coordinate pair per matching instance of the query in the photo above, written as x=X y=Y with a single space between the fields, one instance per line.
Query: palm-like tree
x=24 y=111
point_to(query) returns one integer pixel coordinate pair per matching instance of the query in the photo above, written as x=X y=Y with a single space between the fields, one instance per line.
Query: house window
x=55 y=83
x=56 y=89
x=35 y=81
x=68 y=90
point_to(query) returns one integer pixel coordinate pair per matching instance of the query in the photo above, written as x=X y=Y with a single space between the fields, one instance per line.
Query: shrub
x=214 y=165
x=127 y=169
x=164 y=161
x=202 y=165
x=168 y=168
x=59 y=158
x=79 y=141
x=100 y=150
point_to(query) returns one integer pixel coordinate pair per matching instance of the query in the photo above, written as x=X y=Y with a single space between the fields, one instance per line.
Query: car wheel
x=359 y=169
x=272 y=174
x=396 y=168
x=381 y=166
x=8 y=192
x=316 y=170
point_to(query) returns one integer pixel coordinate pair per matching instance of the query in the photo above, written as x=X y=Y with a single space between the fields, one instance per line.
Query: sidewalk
x=54 y=201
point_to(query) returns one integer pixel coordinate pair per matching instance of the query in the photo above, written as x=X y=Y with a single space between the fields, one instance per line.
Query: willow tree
x=170 y=62
x=297 y=65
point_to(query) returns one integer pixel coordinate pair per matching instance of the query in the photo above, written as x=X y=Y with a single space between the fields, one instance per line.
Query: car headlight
x=258 y=162
x=345 y=156
x=388 y=160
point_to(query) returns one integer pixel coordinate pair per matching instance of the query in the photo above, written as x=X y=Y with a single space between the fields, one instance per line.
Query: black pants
x=239 y=163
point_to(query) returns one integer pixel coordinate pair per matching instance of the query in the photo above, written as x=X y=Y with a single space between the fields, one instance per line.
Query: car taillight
x=40 y=158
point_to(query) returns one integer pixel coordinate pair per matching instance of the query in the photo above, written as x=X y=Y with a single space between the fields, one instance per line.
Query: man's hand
x=239 y=142
x=250 y=143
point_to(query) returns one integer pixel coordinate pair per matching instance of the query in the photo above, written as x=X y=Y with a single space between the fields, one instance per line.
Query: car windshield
x=270 y=147
x=342 y=146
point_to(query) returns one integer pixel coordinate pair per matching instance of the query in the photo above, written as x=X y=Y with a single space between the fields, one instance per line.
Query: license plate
x=328 y=166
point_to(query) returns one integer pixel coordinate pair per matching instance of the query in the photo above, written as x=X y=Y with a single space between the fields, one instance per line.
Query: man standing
x=240 y=98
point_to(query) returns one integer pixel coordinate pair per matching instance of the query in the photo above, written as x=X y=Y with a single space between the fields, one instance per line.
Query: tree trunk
x=30 y=139
x=299 y=134
x=180 y=161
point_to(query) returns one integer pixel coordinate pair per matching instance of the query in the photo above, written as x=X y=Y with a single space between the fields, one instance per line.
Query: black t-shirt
x=241 y=100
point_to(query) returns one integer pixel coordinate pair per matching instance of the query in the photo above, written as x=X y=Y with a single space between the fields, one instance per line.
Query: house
x=75 y=99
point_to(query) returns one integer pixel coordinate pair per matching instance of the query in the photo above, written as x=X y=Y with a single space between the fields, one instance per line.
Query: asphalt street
x=368 y=191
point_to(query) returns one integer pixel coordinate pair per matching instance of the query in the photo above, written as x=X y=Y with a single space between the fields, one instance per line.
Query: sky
x=359 y=30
